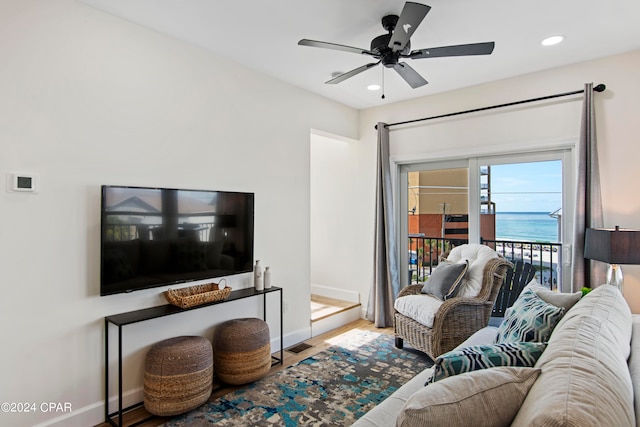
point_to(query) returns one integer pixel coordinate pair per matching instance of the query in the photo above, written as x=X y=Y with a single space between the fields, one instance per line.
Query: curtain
x=386 y=283
x=588 y=198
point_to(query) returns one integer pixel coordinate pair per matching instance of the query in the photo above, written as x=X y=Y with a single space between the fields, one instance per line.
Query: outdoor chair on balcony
x=517 y=278
x=461 y=294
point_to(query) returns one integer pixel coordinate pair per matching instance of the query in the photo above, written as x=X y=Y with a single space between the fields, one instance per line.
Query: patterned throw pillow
x=478 y=357
x=531 y=319
x=445 y=280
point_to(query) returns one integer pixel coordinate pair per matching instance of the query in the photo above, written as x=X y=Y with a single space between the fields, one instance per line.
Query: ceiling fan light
x=373 y=87
x=550 y=41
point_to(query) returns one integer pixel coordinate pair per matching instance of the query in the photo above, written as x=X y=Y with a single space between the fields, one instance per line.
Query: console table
x=123 y=319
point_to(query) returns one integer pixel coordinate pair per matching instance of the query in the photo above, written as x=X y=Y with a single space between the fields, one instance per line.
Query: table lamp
x=617 y=246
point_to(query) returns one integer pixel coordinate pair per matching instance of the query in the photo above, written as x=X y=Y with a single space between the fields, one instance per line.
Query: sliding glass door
x=521 y=214
x=513 y=203
x=437 y=216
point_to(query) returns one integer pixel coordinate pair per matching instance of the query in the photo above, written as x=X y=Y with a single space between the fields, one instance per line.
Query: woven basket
x=197 y=295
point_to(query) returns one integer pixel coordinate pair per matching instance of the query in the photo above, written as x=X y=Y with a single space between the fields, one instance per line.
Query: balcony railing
x=129 y=231
x=425 y=253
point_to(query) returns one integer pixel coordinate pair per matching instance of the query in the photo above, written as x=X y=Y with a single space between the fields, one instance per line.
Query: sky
x=527 y=187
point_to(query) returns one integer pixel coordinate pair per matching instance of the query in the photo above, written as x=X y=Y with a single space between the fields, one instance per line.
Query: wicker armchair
x=456 y=319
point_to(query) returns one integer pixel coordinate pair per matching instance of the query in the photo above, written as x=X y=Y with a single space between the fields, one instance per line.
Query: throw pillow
x=445 y=279
x=478 y=357
x=559 y=299
x=531 y=319
x=485 y=398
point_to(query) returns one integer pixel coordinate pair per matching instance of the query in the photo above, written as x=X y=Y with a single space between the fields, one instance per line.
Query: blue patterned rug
x=333 y=388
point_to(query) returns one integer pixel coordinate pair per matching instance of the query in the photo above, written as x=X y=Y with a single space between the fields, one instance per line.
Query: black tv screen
x=159 y=236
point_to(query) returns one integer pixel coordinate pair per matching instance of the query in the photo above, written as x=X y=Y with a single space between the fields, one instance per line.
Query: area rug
x=333 y=388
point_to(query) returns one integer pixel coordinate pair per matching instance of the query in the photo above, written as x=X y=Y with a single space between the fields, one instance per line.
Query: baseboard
x=335 y=293
x=93 y=414
x=88 y=416
x=290 y=339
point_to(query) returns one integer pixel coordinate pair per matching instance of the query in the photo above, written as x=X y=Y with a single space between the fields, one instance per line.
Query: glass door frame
x=565 y=153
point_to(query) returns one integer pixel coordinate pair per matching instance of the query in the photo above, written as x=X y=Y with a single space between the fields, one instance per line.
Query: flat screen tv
x=160 y=236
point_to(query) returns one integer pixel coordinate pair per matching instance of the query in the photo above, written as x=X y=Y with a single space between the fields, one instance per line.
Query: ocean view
x=526 y=226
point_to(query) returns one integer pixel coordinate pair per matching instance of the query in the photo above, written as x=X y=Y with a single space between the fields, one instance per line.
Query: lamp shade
x=618 y=246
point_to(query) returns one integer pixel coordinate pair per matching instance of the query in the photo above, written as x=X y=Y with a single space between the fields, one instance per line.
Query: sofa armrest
x=459 y=318
x=634 y=362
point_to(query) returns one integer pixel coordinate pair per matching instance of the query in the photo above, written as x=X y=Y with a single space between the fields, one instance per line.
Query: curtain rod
x=599 y=88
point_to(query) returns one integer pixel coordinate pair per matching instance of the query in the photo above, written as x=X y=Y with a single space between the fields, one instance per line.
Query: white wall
x=517 y=128
x=89 y=99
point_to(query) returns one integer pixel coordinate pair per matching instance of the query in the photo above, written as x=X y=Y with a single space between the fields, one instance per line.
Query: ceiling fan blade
x=457 y=50
x=348 y=74
x=411 y=16
x=410 y=75
x=334 y=46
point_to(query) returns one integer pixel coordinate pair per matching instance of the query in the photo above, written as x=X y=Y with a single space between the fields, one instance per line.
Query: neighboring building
x=438 y=204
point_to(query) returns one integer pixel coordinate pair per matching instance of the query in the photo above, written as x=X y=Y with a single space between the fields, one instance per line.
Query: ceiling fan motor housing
x=389 y=22
x=380 y=44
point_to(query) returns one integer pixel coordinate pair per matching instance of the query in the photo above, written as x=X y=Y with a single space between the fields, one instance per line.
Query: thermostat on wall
x=23 y=183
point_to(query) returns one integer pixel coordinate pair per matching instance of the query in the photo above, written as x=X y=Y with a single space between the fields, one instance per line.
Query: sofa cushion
x=477 y=256
x=444 y=280
x=585 y=379
x=486 y=356
x=531 y=319
x=421 y=308
x=489 y=397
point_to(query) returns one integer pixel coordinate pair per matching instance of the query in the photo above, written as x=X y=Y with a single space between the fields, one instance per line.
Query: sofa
x=587 y=375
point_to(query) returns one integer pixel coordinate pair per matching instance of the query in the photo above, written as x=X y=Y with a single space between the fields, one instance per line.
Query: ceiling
x=263 y=35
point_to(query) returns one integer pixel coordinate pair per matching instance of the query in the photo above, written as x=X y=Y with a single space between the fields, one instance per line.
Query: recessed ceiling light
x=550 y=41
x=373 y=87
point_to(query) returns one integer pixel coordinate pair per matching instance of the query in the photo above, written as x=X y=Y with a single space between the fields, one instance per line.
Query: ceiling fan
x=389 y=48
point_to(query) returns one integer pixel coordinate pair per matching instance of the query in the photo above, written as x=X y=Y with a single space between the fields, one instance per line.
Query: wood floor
x=318 y=343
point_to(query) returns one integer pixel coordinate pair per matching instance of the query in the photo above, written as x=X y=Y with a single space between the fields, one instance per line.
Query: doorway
x=334 y=298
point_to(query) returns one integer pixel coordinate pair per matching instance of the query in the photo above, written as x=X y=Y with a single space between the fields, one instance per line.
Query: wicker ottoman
x=242 y=350
x=178 y=375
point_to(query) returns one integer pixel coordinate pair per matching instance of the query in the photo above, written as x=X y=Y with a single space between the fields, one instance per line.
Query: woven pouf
x=178 y=375
x=242 y=350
